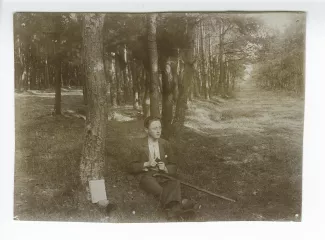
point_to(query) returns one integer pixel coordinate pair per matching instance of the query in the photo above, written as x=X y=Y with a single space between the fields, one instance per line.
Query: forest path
x=252 y=111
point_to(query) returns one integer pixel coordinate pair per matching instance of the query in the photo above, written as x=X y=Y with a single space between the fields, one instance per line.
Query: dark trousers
x=165 y=190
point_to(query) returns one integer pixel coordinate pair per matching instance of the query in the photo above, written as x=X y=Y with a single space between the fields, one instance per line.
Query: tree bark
x=82 y=63
x=227 y=79
x=58 y=64
x=23 y=78
x=28 y=68
x=135 y=81
x=203 y=65
x=20 y=66
x=130 y=83
x=46 y=73
x=32 y=81
x=57 y=106
x=112 y=77
x=84 y=83
x=118 y=79
x=183 y=84
x=141 y=84
x=215 y=78
x=93 y=153
x=167 y=98
x=39 y=76
x=109 y=65
x=210 y=69
x=146 y=97
x=196 y=81
x=232 y=83
x=126 y=78
x=176 y=70
x=221 y=62
x=153 y=61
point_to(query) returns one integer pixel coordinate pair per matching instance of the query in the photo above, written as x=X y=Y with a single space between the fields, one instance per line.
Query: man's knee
x=146 y=178
x=173 y=183
x=150 y=184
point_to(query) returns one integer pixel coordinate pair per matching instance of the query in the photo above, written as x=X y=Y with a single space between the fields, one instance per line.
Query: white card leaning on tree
x=97 y=190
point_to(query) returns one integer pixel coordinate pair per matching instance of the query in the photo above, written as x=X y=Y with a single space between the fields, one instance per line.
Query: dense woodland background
x=229 y=88
x=199 y=55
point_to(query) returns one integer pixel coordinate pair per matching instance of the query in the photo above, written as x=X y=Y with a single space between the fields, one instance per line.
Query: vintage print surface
x=159 y=117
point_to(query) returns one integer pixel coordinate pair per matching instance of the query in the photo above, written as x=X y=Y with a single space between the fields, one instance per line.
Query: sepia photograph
x=159 y=116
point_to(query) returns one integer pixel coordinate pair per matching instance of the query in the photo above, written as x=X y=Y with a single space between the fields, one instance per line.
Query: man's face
x=154 y=129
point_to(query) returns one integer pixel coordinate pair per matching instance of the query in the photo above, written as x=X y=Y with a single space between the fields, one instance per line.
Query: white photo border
x=313 y=153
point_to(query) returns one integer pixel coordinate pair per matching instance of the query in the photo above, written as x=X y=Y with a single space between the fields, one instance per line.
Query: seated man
x=155 y=155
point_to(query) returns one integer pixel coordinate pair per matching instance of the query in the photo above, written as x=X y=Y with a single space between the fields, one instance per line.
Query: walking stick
x=192 y=186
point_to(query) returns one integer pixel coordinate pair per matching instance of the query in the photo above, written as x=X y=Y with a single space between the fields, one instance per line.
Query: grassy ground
x=248 y=148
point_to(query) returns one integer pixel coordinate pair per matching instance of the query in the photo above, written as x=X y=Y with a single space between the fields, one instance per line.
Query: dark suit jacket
x=141 y=155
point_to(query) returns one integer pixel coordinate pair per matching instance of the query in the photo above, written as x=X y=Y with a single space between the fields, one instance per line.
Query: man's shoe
x=190 y=205
x=177 y=213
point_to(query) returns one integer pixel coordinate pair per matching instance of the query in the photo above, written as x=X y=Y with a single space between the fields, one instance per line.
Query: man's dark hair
x=149 y=120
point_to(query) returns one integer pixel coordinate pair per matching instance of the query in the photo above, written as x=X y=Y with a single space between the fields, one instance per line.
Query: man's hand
x=149 y=164
x=162 y=167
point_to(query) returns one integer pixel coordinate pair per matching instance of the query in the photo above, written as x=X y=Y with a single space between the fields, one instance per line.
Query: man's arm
x=136 y=164
x=136 y=167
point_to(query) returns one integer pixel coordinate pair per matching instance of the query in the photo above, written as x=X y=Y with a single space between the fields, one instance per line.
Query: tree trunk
x=215 y=78
x=141 y=84
x=57 y=106
x=113 y=89
x=167 y=98
x=181 y=104
x=107 y=65
x=227 y=79
x=23 y=79
x=183 y=84
x=64 y=74
x=233 y=83
x=176 y=70
x=39 y=77
x=135 y=82
x=126 y=78
x=84 y=82
x=118 y=79
x=93 y=153
x=203 y=65
x=153 y=61
x=110 y=78
x=82 y=63
x=196 y=81
x=46 y=74
x=58 y=64
x=27 y=67
x=130 y=83
x=32 y=85
x=19 y=67
x=146 y=97
x=35 y=66
x=210 y=69
x=221 y=67
x=23 y=73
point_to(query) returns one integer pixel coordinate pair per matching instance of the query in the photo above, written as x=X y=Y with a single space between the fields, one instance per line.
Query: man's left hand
x=162 y=167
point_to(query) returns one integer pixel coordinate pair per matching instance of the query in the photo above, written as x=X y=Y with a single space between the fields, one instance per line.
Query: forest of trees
x=214 y=47
x=281 y=61
x=157 y=62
